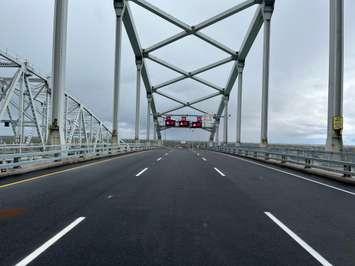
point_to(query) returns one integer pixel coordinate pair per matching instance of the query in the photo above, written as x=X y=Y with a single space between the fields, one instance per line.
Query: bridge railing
x=338 y=162
x=20 y=156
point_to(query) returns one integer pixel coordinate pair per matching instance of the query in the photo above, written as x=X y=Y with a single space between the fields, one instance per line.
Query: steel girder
x=247 y=43
x=184 y=73
x=182 y=25
x=25 y=104
x=238 y=57
x=138 y=52
x=192 y=30
x=189 y=104
x=336 y=72
x=203 y=128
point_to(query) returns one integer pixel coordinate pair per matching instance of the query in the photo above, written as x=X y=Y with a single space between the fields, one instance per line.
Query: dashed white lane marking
x=158 y=159
x=295 y=175
x=302 y=243
x=49 y=243
x=204 y=159
x=219 y=171
x=141 y=172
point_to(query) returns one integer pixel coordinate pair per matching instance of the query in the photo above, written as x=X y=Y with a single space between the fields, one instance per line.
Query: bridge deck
x=187 y=208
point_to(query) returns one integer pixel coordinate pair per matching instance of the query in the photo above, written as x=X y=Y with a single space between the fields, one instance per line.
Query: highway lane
x=179 y=212
x=39 y=208
x=177 y=207
x=319 y=211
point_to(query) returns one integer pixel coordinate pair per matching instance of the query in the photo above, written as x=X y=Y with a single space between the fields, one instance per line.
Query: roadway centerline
x=299 y=241
x=28 y=259
x=141 y=172
x=219 y=171
x=291 y=174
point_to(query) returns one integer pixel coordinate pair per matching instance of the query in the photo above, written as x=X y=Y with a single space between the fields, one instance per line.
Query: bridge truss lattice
x=25 y=108
x=262 y=16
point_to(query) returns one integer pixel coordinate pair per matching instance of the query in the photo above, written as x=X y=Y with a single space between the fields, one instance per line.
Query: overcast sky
x=299 y=61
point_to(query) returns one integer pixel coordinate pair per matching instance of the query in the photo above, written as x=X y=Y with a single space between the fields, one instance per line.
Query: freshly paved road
x=187 y=208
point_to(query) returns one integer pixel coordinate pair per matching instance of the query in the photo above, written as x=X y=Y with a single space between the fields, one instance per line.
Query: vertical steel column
x=119 y=8
x=43 y=128
x=91 y=129
x=66 y=110
x=155 y=131
x=331 y=77
x=225 y=124
x=267 y=14
x=217 y=132
x=148 y=117
x=138 y=99
x=336 y=72
x=47 y=115
x=80 y=125
x=21 y=130
x=56 y=135
x=239 y=102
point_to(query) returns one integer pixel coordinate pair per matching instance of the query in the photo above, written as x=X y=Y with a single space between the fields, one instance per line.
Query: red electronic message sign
x=169 y=122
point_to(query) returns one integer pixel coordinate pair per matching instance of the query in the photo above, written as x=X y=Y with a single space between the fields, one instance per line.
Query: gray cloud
x=299 y=61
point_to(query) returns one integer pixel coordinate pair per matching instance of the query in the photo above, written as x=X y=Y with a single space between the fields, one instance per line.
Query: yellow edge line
x=63 y=171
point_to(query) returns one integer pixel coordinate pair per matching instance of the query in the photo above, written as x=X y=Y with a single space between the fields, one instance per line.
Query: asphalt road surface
x=175 y=207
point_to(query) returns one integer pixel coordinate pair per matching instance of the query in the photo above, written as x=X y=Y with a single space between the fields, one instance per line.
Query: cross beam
x=188 y=30
x=203 y=128
x=189 y=104
x=195 y=72
x=183 y=72
x=194 y=30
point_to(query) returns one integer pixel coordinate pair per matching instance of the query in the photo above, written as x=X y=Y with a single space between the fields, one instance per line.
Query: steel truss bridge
x=149 y=202
x=47 y=122
x=59 y=119
x=38 y=112
x=26 y=105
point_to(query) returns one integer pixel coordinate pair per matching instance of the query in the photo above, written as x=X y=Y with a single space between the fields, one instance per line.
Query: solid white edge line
x=158 y=159
x=49 y=243
x=302 y=243
x=141 y=172
x=295 y=175
x=219 y=171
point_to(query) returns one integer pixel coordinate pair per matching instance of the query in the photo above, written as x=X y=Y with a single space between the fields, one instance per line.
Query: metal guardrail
x=16 y=156
x=343 y=163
